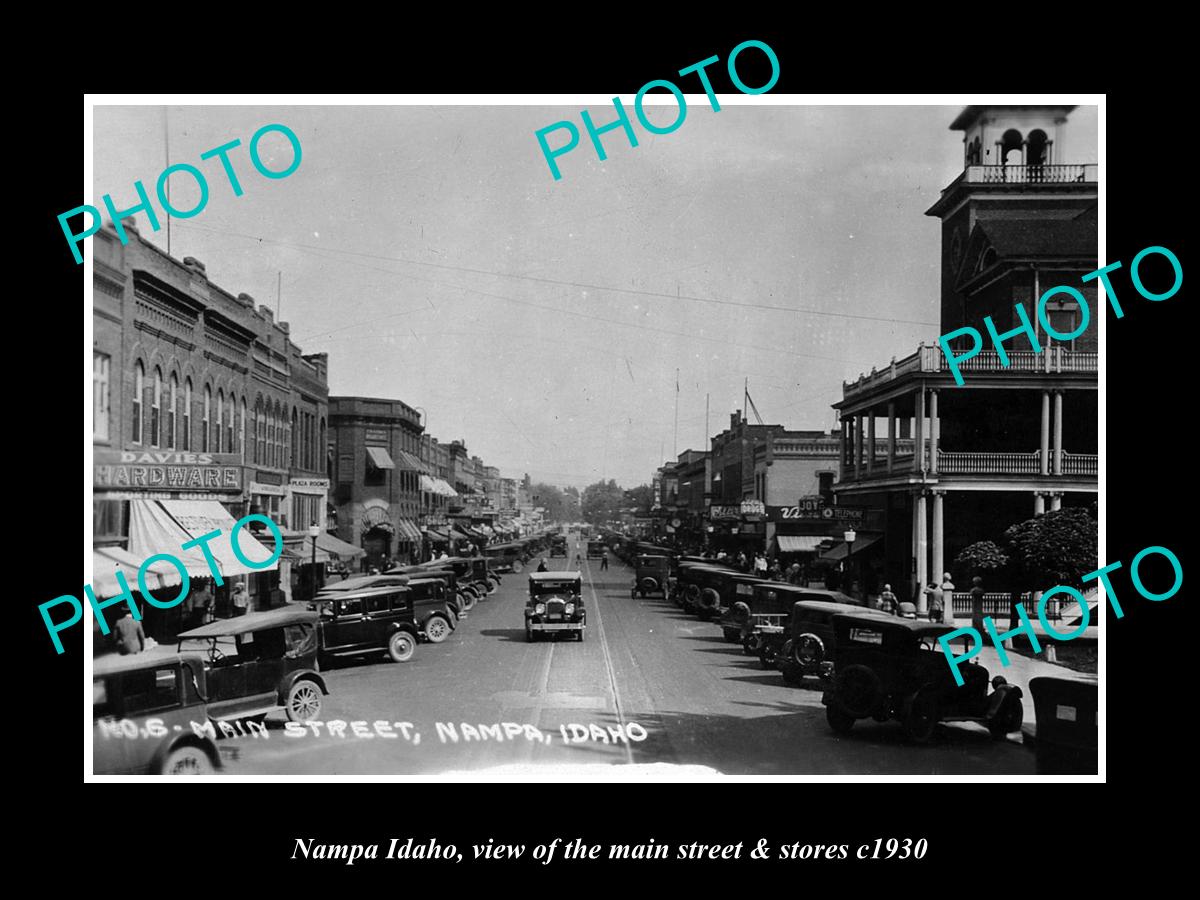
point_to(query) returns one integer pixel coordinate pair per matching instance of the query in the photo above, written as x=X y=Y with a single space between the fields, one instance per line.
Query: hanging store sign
x=725 y=512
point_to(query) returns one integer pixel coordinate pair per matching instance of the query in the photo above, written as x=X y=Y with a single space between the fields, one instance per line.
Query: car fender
x=410 y=627
x=300 y=675
x=207 y=744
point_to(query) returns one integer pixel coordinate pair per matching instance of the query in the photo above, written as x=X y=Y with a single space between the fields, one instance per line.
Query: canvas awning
x=429 y=485
x=379 y=458
x=445 y=489
x=107 y=561
x=409 y=531
x=163 y=526
x=799 y=543
x=841 y=551
x=337 y=548
x=410 y=462
x=435 y=536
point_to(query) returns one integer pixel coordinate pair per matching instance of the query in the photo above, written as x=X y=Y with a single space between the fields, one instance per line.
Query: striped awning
x=409 y=531
x=379 y=458
x=799 y=543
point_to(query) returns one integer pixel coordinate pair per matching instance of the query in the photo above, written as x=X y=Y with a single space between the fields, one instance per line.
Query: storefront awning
x=429 y=485
x=410 y=462
x=379 y=458
x=435 y=536
x=409 y=531
x=338 y=548
x=305 y=552
x=841 y=551
x=458 y=535
x=107 y=561
x=445 y=489
x=799 y=543
x=163 y=526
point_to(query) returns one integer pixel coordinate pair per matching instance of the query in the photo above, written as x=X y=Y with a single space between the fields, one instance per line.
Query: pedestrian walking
x=793 y=573
x=542 y=567
x=936 y=605
x=887 y=600
x=130 y=636
x=241 y=599
x=604 y=561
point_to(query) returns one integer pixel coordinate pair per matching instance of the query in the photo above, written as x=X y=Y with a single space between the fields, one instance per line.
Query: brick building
x=376 y=473
x=203 y=411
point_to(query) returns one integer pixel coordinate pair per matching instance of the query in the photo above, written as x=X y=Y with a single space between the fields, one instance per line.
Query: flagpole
x=675 y=445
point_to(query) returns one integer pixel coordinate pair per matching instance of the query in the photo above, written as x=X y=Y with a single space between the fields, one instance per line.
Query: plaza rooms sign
x=166 y=470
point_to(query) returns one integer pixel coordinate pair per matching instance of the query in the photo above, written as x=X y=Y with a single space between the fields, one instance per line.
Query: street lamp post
x=313 y=530
x=849 y=537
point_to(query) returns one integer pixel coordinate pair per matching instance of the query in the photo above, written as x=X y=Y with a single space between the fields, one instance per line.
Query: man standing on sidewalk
x=241 y=599
x=604 y=561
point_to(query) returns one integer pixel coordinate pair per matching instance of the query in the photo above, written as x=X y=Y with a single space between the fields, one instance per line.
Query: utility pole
x=278 y=295
x=675 y=445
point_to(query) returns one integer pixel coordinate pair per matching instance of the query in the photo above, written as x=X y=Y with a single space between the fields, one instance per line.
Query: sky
x=430 y=252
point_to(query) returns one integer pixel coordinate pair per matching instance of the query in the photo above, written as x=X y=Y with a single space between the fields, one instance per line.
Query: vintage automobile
x=505 y=557
x=465 y=595
x=434 y=608
x=558 y=545
x=555 y=605
x=892 y=668
x=369 y=620
x=1066 y=739
x=260 y=662
x=470 y=572
x=144 y=709
x=596 y=549
x=760 y=620
x=652 y=575
x=810 y=645
x=688 y=582
x=719 y=588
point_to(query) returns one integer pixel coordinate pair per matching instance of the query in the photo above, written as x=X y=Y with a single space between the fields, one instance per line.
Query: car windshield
x=539 y=588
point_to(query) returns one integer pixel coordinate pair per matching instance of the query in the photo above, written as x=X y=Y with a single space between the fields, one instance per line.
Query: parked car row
x=869 y=664
x=156 y=713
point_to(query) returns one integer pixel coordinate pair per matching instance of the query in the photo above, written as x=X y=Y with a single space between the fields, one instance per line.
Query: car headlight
x=540 y=609
x=569 y=609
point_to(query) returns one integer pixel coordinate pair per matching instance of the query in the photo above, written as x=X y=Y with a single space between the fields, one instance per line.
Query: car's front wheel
x=921 y=717
x=187 y=760
x=437 y=629
x=401 y=646
x=303 y=701
x=466 y=601
x=839 y=720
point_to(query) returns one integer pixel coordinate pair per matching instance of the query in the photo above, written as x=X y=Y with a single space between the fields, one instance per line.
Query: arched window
x=259 y=433
x=280 y=436
x=187 y=414
x=218 y=431
x=270 y=458
x=139 y=385
x=206 y=420
x=156 y=409
x=231 y=426
x=172 y=404
x=241 y=447
x=1012 y=148
x=293 y=453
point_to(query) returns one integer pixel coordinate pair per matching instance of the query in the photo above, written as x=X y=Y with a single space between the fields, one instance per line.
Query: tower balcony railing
x=1055 y=359
x=1083 y=173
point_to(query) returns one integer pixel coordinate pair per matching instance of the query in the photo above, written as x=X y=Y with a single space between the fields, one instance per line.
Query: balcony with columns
x=921 y=430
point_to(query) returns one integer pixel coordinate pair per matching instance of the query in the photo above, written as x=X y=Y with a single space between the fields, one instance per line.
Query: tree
x=1055 y=548
x=602 y=501
x=552 y=500
x=641 y=498
x=983 y=558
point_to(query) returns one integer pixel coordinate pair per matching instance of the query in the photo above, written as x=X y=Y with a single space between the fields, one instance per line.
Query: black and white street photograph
x=683 y=437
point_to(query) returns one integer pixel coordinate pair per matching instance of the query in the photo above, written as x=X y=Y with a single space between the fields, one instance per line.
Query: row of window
x=167 y=423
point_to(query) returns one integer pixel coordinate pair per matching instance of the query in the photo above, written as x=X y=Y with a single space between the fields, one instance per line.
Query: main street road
x=645 y=663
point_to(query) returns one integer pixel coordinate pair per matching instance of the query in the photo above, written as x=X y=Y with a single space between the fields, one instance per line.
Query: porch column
x=891 y=437
x=939 y=543
x=935 y=434
x=858 y=443
x=870 y=441
x=1058 y=447
x=1039 y=503
x=1056 y=501
x=1044 y=462
x=842 y=452
x=922 y=555
x=919 y=432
